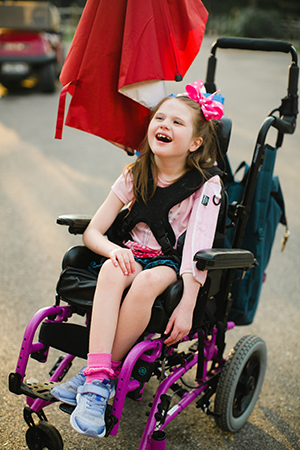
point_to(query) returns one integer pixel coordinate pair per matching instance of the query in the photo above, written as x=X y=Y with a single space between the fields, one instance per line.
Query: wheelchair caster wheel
x=240 y=383
x=43 y=436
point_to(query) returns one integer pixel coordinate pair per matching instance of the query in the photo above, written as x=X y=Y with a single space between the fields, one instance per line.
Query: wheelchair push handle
x=288 y=111
x=255 y=45
x=264 y=45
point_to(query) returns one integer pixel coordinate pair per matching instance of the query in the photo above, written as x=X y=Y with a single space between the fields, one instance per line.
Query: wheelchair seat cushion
x=77 y=286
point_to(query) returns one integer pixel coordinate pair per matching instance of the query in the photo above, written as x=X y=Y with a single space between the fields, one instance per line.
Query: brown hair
x=203 y=158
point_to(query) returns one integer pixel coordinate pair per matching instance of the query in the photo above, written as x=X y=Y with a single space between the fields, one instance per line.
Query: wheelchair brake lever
x=163 y=369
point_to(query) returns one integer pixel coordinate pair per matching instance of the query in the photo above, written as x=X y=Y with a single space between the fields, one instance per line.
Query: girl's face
x=171 y=130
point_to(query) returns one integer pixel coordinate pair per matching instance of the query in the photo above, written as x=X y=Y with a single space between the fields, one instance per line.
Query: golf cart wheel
x=47 y=78
x=240 y=383
x=11 y=85
x=43 y=436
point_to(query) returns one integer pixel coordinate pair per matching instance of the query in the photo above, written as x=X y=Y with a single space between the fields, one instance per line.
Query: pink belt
x=142 y=251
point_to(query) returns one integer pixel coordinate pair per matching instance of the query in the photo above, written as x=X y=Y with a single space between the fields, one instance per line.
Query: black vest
x=156 y=211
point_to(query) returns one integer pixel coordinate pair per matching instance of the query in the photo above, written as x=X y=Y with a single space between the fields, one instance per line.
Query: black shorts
x=146 y=263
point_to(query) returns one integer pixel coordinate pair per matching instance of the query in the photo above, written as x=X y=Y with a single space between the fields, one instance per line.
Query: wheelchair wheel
x=240 y=383
x=43 y=436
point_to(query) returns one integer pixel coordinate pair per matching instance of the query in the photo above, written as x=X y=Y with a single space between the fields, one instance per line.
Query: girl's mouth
x=163 y=138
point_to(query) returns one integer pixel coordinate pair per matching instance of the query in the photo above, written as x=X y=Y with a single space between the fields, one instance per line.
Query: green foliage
x=247 y=22
x=288 y=9
x=257 y=23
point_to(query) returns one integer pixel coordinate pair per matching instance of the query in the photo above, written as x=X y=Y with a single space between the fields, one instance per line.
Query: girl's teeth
x=162 y=137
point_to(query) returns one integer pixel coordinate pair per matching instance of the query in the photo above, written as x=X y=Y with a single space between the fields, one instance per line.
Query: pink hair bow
x=212 y=109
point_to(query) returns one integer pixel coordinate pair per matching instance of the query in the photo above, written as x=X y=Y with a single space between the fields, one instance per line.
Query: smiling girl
x=172 y=168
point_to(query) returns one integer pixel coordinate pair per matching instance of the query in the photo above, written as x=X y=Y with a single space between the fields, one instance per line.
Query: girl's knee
x=107 y=267
x=150 y=277
x=154 y=279
x=110 y=273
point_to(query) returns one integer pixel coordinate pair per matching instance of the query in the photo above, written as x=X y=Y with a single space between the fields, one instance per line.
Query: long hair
x=203 y=158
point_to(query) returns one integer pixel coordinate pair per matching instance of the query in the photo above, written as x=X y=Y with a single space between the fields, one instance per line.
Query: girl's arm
x=181 y=320
x=94 y=238
x=200 y=235
x=201 y=227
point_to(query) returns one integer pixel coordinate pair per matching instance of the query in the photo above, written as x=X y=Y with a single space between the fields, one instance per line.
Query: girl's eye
x=177 y=122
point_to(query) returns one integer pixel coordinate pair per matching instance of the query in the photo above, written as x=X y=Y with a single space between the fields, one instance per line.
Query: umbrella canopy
x=121 y=53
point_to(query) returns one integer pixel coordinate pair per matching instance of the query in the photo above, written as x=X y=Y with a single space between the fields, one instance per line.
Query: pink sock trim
x=98 y=374
x=116 y=367
x=99 y=367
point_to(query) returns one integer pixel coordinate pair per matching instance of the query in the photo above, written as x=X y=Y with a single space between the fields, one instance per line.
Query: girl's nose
x=165 y=124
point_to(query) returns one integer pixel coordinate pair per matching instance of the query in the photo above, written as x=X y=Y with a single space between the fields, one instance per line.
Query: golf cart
x=30 y=44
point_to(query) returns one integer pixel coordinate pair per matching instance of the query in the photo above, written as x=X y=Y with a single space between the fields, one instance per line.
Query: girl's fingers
x=172 y=339
x=129 y=263
x=122 y=266
x=124 y=258
x=114 y=260
x=132 y=264
x=177 y=333
x=169 y=326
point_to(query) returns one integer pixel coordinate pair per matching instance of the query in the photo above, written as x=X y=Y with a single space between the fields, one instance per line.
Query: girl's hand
x=180 y=324
x=123 y=258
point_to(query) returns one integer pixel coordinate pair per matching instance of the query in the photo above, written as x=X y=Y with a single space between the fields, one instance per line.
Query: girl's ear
x=197 y=142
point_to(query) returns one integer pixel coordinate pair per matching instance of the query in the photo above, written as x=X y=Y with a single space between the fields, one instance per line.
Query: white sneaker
x=88 y=417
x=67 y=392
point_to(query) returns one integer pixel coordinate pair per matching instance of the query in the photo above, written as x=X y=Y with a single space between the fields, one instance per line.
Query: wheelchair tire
x=240 y=383
x=43 y=436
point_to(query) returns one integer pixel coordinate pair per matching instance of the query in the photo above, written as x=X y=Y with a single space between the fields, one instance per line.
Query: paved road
x=41 y=178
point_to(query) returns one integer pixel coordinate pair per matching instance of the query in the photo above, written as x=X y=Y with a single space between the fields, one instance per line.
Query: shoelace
x=76 y=381
x=95 y=402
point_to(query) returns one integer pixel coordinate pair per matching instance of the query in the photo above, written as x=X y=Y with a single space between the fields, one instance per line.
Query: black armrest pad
x=77 y=223
x=224 y=258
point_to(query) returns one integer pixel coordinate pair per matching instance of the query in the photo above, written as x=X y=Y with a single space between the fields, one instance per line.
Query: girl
x=180 y=139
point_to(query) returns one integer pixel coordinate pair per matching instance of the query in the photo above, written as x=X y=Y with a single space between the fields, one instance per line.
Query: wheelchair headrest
x=223 y=133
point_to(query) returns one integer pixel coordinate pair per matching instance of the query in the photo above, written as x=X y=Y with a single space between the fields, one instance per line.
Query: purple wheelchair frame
x=154 y=438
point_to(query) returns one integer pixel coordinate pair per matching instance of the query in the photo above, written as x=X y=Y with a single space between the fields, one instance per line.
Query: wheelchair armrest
x=77 y=223
x=224 y=258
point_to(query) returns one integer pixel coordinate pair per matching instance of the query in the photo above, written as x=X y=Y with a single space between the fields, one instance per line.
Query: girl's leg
x=88 y=418
x=135 y=311
x=110 y=287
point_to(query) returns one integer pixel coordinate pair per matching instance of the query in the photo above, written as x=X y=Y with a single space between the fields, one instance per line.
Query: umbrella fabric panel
x=123 y=43
x=92 y=66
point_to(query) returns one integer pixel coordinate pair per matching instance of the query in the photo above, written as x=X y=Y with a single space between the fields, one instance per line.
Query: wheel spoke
x=238 y=403
x=252 y=367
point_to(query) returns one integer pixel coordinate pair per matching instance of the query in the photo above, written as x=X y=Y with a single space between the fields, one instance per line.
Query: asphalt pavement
x=41 y=178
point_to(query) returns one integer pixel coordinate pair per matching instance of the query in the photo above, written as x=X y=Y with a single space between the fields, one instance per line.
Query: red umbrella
x=121 y=52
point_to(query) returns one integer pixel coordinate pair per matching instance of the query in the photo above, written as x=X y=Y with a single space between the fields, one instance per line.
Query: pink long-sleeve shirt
x=197 y=215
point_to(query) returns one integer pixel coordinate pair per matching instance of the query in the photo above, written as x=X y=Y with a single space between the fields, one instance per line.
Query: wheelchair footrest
x=39 y=390
x=64 y=407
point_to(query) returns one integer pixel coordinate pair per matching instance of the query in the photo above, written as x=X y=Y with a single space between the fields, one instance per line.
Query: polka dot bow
x=212 y=109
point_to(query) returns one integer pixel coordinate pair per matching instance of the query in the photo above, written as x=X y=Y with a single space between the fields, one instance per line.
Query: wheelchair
x=225 y=387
